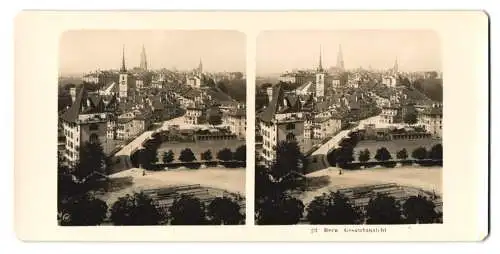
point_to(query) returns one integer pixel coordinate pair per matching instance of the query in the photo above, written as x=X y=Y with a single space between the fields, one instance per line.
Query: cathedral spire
x=123 y=69
x=144 y=61
x=320 y=65
x=200 y=67
x=340 y=58
x=396 y=67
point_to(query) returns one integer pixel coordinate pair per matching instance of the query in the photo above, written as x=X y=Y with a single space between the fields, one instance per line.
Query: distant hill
x=235 y=88
x=64 y=80
x=432 y=88
x=259 y=81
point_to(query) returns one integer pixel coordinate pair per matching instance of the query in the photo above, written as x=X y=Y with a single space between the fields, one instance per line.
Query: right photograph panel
x=348 y=127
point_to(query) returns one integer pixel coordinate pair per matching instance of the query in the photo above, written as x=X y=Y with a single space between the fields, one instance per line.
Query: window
x=290 y=137
x=93 y=138
x=290 y=126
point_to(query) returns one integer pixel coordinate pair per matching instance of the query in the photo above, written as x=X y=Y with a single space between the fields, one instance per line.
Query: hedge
x=390 y=164
x=198 y=164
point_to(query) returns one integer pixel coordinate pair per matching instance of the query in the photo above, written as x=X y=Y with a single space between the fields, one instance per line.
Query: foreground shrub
x=419 y=210
x=86 y=210
x=233 y=164
x=332 y=208
x=279 y=210
x=187 y=210
x=136 y=209
x=225 y=211
x=383 y=209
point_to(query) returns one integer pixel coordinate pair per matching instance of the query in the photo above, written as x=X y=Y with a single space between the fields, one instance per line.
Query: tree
x=333 y=208
x=383 y=154
x=168 y=156
x=92 y=159
x=85 y=210
x=136 y=209
x=207 y=155
x=225 y=211
x=332 y=156
x=225 y=154
x=147 y=157
x=187 y=155
x=214 y=119
x=383 y=209
x=279 y=210
x=402 y=154
x=288 y=159
x=187 y=210
x=419 y=210
x=345 y=155
x=263 y=180
x=410 y=118
x=419 y=153
x=436 y=152
x=364 y=155
x=241 y=153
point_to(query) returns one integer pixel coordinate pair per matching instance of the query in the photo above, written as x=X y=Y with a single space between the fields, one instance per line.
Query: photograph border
x=464 y=47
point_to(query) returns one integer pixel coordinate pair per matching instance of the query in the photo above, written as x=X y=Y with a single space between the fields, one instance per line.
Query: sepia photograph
x=348 y=127
x=151 y=127
x=346 y=111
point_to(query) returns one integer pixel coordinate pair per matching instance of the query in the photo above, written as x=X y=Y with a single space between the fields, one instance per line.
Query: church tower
x=320 y=78
x=144 y=61
x=340 y=58
x=200 y=67
x=123 y=82
x=395 y=69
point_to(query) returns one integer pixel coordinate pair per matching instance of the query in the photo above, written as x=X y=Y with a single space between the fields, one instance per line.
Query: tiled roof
x=219 y=96
x=307 y=87
x=280 y=104
x=82 y=104
x=268 y=114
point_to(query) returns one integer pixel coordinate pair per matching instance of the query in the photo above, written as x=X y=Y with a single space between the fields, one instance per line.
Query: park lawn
x=426 y=178
x=231 y=180
x=393 y=146
x=199 y=147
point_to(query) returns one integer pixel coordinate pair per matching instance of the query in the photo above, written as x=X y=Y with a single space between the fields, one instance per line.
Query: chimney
x=72 y=92
x=270 y=93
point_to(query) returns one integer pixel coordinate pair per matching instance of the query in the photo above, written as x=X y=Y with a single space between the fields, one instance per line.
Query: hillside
x=432 y=88
x=235 y=88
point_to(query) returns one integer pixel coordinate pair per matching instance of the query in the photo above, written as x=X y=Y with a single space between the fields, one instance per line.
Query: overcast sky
x=83 y=51
x=416 y=50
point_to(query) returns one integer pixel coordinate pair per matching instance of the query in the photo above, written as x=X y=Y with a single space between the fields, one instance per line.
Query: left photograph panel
x=151 y=128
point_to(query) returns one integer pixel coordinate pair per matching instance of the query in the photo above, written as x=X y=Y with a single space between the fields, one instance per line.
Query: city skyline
x=414 y=50
x=85 y=51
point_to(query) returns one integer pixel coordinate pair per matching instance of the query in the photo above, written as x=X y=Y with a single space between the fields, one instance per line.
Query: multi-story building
x=91 y=78
x=130 y=124
x=85 y=121
x=389 y=81
x=390 y=115
x=237 y=121
x=194 y=82
x=324 y=127
x=299 y=77
x=432 y=119
x=125 y=128
x=282 y=120
x=194 y=114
